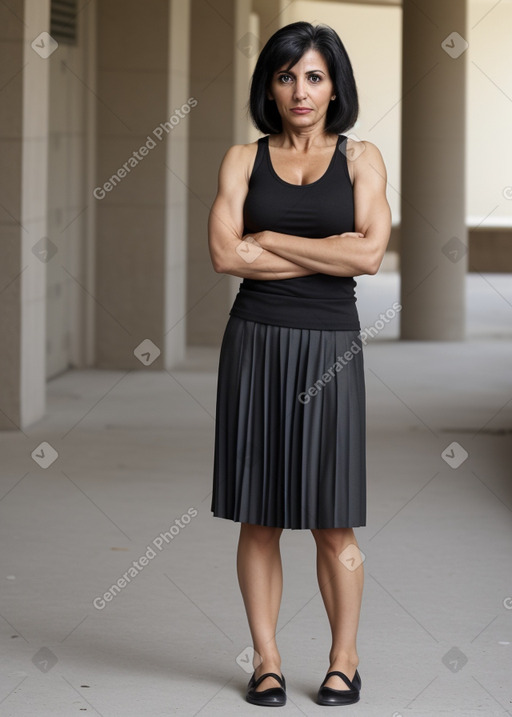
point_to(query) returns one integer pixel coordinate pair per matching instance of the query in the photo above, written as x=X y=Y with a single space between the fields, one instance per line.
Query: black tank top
x=318 y=209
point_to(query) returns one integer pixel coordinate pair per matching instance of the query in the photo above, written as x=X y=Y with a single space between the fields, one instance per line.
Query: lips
x=301 y=110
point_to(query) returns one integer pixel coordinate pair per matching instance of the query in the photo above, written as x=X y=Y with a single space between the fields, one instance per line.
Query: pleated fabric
x=290 y=431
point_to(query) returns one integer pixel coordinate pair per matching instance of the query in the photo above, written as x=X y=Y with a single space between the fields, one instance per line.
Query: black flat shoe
x=330 y=696
x=273 y=697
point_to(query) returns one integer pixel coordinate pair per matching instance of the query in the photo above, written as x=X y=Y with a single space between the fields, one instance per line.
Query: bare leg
x=342 y=590
x=260 y=576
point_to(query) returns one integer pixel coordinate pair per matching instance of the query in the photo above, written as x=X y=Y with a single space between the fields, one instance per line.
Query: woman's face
x=307 y=84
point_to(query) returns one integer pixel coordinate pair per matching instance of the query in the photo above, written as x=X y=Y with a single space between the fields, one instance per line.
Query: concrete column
x=433 y=227
x=139 y=193
x=212 y=82
x=24 y=79
x=245 y=51
x=70 y=305
x=176 y=230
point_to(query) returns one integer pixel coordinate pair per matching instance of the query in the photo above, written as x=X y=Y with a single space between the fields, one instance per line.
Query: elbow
x=373 y=262
x=368 y=266
x=222 y=260
x=372 y=268
x=219 y=266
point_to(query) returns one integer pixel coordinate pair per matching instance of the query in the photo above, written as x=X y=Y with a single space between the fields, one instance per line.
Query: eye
x=316 y=78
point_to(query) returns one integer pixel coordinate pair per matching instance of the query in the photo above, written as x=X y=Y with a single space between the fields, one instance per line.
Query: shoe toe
x=272 y=697
x=330 y=696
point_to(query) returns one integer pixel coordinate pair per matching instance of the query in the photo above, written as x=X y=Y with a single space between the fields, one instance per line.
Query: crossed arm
x=272 y=255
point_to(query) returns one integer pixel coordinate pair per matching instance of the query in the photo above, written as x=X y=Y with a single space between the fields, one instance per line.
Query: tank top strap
x=342 y=147
x=340 y=158
x=259 y=156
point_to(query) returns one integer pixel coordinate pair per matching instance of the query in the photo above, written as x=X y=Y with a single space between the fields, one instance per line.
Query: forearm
x=337 y=255
x=249 y=259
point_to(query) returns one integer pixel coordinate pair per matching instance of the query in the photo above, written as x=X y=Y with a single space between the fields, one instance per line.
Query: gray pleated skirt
x=290 y=431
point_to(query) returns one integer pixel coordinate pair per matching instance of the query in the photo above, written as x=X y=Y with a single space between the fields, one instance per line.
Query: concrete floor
x=134 y=455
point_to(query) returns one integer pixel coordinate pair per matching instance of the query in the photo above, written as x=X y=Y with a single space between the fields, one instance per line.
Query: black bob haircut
x=288 y=44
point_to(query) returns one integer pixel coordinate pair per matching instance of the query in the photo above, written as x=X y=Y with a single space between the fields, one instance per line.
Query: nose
x=300 y=90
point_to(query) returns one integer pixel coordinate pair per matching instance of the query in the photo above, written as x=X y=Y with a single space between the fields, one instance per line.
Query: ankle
x=268 y=663
x=344 y=658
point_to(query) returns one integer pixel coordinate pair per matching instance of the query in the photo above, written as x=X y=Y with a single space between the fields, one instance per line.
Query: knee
x=261 y=534
x=334 y=540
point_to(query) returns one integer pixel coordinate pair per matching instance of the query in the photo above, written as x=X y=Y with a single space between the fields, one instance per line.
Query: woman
x=297 y=215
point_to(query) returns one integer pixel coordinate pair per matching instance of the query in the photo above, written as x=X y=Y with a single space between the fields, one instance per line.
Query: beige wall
x=130 y=238
x=11 y=135
x=23 y=216
x=177 y=182
x=71 y=171
x=489 y=115
x=211 y=129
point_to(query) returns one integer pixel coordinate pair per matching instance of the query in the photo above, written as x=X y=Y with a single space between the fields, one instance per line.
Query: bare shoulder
x=356 y=148
x=250 y=151
x=239 y=159
x=364 y=158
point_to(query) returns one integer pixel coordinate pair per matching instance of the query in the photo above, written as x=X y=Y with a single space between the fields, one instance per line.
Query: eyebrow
x=309 y=72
